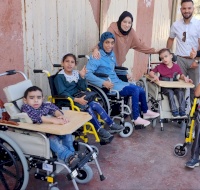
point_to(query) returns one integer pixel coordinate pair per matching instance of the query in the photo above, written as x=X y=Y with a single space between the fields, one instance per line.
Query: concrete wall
x=11 y=41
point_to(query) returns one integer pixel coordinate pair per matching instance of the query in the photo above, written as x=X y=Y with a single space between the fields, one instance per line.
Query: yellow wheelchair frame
x=180 y=150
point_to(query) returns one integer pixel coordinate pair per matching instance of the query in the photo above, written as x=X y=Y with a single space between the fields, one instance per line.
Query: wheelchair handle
x=10 y=72
x=84 y=56
x=37 y=70
x=57 y=65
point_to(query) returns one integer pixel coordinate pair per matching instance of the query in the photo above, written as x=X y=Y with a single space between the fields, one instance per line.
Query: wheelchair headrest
x=16 y=91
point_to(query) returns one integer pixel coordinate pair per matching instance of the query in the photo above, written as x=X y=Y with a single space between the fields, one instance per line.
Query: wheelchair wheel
x=14 y=168
x=85 y=175
x=101 y=97
x=180 y=151
x=128 y=130
x=54 y=188
x=154 y=122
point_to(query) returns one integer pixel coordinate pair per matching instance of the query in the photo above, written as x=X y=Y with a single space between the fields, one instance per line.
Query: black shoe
x=72 y=161
x=105 y=135
x=192 y=163
x=115 y=128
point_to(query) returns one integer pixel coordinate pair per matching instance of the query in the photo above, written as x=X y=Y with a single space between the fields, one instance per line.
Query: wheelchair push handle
x=38 y=71
x=57 y=65
x=84 y=56
x=9 y=72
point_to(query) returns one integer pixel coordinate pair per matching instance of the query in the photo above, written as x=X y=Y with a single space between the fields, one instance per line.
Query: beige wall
x=52 y=28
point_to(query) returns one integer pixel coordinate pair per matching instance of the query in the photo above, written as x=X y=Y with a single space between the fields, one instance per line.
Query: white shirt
x=192 y=35
x=70 y=78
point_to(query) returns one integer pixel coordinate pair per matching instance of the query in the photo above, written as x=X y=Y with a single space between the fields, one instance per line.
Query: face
x=108 y=45
x=187 y=10
x=69 y=64
x=34 y=99
x=166 y=57
x=126 y=24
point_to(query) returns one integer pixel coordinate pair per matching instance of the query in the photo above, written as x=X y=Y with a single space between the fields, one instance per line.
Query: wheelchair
x=159 y=101
x=64 y=102
x=25 y=146
x=180 y=150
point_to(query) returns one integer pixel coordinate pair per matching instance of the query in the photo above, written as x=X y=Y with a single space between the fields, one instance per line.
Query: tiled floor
x=144 y=161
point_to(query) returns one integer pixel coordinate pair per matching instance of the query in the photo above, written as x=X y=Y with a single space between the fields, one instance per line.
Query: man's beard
x=187 y=17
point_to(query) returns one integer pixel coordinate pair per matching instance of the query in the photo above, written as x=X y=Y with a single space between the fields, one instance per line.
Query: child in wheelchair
x=106 y=65
x=39 y=112
x=170 y=71
x=69 y=82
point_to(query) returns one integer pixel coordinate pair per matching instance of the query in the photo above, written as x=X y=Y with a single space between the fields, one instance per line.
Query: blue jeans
x=138 y=95
x=62 y=145
x=95 y=107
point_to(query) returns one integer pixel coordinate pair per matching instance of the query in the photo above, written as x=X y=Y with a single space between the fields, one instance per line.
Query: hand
x=194 y=65
x=58 y=121
x=83 y=71
x=64 y=118
x=193 y=53
x=187 y=80
x=81 y=100
x=129 y=77
x=155 y=79
x=108 y=84
x=96 y=54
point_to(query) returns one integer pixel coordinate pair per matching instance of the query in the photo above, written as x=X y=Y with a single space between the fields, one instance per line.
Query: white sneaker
x=150 y=115
x=140 y=121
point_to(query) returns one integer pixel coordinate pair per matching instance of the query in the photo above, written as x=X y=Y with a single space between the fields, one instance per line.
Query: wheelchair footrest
x=85 y=160
x=139 y=127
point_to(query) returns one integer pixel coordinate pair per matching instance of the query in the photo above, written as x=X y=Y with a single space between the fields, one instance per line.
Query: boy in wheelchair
x=170 y=71
x=39 y=112
x=69 y=82
x=106 y=65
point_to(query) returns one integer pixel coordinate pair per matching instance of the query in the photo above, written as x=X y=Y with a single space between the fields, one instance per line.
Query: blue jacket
x=106 y=64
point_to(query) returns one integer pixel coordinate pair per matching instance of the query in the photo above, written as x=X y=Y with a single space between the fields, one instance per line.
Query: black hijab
x=122 y=17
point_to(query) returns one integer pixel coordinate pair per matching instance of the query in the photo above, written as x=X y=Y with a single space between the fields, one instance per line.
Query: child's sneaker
x=182 y=114
x=72 y=161
x=192 y=163
x=140 y=121
x=175 y=114
x=105 y=135
x=115 y=128
x=150 y=115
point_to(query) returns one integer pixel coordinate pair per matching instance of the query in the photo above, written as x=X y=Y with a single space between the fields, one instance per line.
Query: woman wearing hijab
x=125 y=39
x=106 y=64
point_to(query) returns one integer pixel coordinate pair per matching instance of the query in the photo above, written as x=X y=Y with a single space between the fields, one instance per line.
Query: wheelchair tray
x=76 y=120
x=172 y=84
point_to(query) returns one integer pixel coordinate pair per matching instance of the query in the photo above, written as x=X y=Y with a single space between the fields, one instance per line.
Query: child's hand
x=83 y=71
x=64 y=118
x=187 y=80
x=58 y=121
x=155 y=79
x=81 y=100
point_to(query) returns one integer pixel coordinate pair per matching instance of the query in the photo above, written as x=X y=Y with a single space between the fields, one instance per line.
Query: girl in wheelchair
x=69 y=82
x=38 y=111
x=106 y=65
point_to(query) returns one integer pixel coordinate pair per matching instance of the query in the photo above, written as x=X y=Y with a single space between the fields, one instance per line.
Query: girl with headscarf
x=106 y=64
x=125 y=39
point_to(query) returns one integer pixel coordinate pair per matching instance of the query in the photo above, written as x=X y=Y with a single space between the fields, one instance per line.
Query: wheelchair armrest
x=121 y=68
x=100 y=75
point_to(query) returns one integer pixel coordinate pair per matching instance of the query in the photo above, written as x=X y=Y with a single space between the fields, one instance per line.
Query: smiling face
x=34 y=99
x=187 y=9
x=69 y=64
x=126 y=24
x=108 y=45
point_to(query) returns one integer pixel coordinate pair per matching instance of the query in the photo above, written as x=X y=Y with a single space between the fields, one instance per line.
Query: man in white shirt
x=187 y=34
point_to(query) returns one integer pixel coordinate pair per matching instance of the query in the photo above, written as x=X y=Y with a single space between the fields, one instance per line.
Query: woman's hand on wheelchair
x=109 y=85
x=81 y=100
